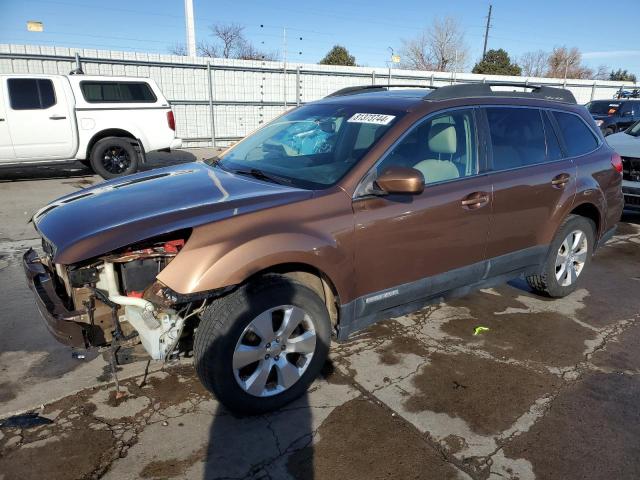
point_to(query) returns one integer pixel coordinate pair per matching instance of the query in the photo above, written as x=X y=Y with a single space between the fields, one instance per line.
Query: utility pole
x=191 y=32
x=486 y=33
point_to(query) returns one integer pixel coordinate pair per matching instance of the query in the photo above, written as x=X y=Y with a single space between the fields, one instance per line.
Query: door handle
x=475 y=200
x=56 y=117
x=559 y=181
x=1 y=119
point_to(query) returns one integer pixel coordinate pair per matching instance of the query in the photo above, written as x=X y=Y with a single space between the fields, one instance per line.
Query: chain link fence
x=218 y=101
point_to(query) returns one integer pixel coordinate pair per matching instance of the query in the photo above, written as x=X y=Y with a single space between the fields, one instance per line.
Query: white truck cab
x=108 y=123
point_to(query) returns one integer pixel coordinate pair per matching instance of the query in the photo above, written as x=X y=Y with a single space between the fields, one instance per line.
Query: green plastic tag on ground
x=479 y=330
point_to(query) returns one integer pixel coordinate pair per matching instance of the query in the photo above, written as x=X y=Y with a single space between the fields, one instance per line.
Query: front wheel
x=113 y=157
x=569 y=256
x=261 y=346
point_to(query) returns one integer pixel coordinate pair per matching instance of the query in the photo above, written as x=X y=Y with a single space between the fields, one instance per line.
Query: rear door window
x=117 y=92
x=578 y=137
x=31 y=93
x=517 y=137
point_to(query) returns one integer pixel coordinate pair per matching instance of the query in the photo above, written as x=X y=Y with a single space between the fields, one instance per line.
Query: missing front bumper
x=69 y=327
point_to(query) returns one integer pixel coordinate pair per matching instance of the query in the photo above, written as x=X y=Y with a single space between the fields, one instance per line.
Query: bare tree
x=178 y=49
x=231 y=36
x=534 y=64
x=441 y=47
x=208 y=49
x=229 y=42
x=416 y=54
x=447 y=44
x=247 y=51
x=602 y=73
x=567 y=63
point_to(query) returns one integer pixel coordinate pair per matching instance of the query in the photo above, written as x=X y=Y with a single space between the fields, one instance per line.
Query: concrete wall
x=245 y=94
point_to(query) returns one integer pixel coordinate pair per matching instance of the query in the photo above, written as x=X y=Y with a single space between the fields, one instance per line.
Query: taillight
x=616 y=162
x=171 y=120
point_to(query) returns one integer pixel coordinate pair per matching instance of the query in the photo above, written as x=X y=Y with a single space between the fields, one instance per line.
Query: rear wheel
x=569 y=255
x=260 y=347
x=113 y=157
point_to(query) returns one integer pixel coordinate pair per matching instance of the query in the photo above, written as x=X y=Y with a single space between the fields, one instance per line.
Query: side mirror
x=401 y=180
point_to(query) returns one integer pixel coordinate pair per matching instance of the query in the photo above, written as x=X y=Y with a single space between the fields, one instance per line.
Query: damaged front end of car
x=114 y=300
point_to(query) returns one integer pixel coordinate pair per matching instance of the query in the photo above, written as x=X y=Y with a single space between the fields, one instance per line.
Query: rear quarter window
x=578 y=137
x=117 y=92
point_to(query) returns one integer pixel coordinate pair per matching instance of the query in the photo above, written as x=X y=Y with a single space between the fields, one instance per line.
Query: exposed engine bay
x=124 y=303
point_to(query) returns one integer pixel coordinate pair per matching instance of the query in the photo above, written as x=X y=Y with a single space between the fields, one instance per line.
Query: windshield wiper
x=259 y=174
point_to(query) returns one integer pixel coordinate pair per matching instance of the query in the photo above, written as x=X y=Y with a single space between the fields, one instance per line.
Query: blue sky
x=367 y=28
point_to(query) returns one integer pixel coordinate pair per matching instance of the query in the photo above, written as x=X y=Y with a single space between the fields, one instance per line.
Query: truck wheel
x=569 y=255
x=261 y=346
x=113 y=157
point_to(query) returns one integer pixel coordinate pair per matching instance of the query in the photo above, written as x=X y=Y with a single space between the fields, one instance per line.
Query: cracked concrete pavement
x=549 y=391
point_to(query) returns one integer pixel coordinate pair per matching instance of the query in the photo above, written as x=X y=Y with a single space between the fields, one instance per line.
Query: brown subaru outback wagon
x=368 y=204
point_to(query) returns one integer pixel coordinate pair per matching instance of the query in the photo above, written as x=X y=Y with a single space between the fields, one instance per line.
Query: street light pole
x=191 y=32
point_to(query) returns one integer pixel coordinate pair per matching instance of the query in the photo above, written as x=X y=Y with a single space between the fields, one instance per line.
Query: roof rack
x=372 y=88
x=485 y=90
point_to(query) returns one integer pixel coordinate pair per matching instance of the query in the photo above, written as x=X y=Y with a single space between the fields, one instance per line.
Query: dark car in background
x=614 y=116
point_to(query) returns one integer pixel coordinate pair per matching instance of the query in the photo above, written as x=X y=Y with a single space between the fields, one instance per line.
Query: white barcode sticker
x=375 y=118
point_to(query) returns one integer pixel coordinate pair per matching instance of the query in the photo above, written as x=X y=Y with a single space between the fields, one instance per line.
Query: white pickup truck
x=108 y=123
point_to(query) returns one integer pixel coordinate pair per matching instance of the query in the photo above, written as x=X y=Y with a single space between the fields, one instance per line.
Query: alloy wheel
x=274 y=351
x=571 y=258
x=116 y=160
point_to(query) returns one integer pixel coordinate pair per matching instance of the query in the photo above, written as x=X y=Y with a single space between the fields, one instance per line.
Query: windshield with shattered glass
x=312 y=146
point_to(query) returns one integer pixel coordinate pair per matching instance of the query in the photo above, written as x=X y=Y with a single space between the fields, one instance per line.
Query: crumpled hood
x=120 y=212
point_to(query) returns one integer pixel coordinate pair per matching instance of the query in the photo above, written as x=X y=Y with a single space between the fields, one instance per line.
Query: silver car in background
x=627 y=144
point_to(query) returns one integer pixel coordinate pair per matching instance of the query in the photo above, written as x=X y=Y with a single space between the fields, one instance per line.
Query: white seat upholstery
x=442 y=141
x=437 y=170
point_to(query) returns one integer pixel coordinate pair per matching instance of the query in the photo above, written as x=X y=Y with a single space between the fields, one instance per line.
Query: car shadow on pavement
x=76 y=169
x=259 y=446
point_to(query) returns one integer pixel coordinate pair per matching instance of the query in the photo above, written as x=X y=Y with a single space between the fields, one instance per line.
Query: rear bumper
x=631 y=192
x=66 y=326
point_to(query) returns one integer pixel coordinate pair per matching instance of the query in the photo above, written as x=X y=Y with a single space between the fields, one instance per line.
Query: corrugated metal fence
x=221 y=100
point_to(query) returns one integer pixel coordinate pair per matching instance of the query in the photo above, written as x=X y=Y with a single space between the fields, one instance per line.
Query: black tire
x=609 y=131
x=222 y=324
x=545 y=282
x=113 y=157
